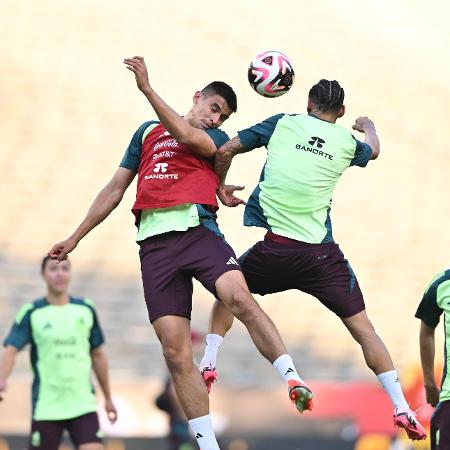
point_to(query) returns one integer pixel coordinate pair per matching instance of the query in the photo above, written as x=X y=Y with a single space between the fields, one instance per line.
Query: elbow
x=97 y=353
x=375 y=152
x=224 y=153
x=116 y=197
x=207 y=153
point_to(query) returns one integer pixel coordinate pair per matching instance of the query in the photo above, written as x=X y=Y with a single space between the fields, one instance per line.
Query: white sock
x=203 y=431
x=285 y=367
x=213 y=343
x=391 y=384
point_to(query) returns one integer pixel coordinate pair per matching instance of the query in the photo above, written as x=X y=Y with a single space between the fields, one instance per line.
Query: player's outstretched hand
x=432 y=395
x=363 y=124
x=62 y=249
x=137 y=65
x=111 y=411
x=2 y=388
x=227 y=197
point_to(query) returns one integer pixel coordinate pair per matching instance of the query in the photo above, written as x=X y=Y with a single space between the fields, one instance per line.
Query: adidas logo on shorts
x=232 y=261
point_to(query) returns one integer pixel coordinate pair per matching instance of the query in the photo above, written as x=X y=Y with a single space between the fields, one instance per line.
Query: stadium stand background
x=68 y=109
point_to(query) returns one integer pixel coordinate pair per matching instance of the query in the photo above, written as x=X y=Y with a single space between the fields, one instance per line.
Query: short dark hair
x=224 y=90
x=44 y=262
x=327 y=95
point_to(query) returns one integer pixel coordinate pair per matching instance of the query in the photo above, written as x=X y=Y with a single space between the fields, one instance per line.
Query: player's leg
x=440 y=427
x=168 y=295
x=45 y=435
x=232 y=290
x=379 y=361
x=375 y=352
x=220 y=321
x=213 y=263
x=175 y=337
x=84 y=432
x=336 y=286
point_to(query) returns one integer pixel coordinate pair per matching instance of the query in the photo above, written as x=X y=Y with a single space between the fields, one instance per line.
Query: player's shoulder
x=148 y=123
x=83 y=301
x=144 y=129
x=438 y=279
x=27 y=309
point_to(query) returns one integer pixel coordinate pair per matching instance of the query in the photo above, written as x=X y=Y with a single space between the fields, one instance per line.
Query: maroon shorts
x=169 y=261
x=320 y=270
x=440 y=427
x=47 y=434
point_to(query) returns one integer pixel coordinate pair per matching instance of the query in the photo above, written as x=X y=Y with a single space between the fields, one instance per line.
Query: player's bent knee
x=177 y=359
x=242 y=304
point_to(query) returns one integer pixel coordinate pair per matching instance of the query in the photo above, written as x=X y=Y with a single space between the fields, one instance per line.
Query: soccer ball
x=271 y=74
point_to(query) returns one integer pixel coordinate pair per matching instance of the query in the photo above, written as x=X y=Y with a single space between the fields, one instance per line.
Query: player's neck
x=57 y=298
x=187 y=118
x=326 y=116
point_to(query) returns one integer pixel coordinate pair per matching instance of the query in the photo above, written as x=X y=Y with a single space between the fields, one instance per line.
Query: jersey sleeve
x=132 y=157
x=219 y=137
x=96 y=338
x=259 y=135
x=20 y=333
x=429 y=311
x=363 y=154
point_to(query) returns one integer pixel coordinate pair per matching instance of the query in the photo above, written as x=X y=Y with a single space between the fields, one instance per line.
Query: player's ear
x=341 y=111
x=196 y=97
x=310 y=106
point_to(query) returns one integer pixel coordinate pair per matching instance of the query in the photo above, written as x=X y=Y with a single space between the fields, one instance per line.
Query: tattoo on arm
x=224 y=156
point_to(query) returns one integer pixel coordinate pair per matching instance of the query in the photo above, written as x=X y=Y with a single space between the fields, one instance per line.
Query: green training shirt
x=61 y=338
x=435 y=301
x=305 y=158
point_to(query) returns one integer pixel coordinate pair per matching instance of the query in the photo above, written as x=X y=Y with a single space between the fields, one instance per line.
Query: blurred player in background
x=179 y=239
x=436 y=301
x=307 y=154
x=66 y=344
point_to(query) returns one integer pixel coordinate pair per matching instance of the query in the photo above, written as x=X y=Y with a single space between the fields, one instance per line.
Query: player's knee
x=242 y=304
x=177 y=357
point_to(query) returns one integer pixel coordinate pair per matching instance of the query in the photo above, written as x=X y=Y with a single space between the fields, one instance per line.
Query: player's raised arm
x=248 y=139
x=180 y=129
x=366 y=126
x=224 y=156
x=102 y=206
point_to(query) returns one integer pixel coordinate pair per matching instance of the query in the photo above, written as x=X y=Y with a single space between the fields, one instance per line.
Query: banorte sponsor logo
x=160 y=169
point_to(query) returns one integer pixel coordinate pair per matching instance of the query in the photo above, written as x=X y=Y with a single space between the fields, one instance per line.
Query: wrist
x=429 y=383
x=147 y=90
x=76 y=237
